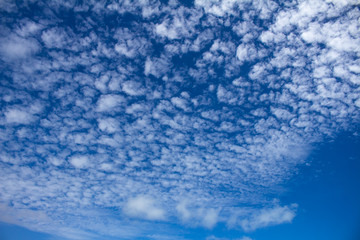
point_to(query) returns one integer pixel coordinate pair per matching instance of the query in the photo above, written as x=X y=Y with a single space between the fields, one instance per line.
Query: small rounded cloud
x=14 y=47
x=18 y=116
x=144 y=207
x=109 y=102
x=79 y=161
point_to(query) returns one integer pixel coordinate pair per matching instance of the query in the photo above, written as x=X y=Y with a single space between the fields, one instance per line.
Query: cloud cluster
x=167 y=112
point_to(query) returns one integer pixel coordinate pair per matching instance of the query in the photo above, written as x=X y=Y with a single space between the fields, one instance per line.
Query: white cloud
x=79 y=161
x=29 y=28
x=163 y=30
x=343 y=2
x=206 y=217
x=133 y=88
x=109 y=125
x=268 y=217
x=282 y=113
x=109 y=102
x=148 y=66
x=156 y=66
x=175 y=131
x=55 y=38
x=180 y=24
x=15 y=216
x=312 y=33
x=245 y=238
x=180 y=103
x=210 y=218
x=129 y=45
x=18 y=116
x=56 y=161
x=136 y=108
x=144 y=207
x=246 y=52
x=123 y=49
x=218 y=8
x=14 y=47
x=183 y=211
x=357 y=102
x=354 y=68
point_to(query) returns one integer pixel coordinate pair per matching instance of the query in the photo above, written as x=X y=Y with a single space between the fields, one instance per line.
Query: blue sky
x=199 y=119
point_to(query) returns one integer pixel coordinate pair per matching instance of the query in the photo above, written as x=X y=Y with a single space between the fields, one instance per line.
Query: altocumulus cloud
x=144 y=207
x=125 y=116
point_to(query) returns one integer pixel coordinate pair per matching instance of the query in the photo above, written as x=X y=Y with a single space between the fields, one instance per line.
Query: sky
x=202 y=119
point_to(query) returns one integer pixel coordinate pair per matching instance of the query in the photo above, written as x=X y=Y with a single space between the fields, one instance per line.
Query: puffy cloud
x=109 y=102
x=109 y=125
x=156 y=66
x=144 y=207
x=183 y=211
x=18 y=116
x=194 y=215
x=163 y=30
x=133 y=88
x=246 y=52
x=79 y=161
x=141 y=112
x=210 y=218
x=179 y=102
x=55 y=38
x=269 y=217
x=15 y=48
x=245 y=238
x=218 y=8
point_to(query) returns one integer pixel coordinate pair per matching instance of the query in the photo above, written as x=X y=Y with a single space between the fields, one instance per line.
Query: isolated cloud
x=269 y=217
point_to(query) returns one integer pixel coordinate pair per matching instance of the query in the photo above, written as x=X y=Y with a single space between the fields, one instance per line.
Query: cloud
x=18 y=116
x=133 y=88
x=180 y=103
x=79 y=161
x=268 y=217
x=109 y=125
x=163 y=30
x=144 y=207
x=17 y=48
x=109 y=102
x=183 y=211
x=218 y=8
x=197 y=216
x=156 y=66
x=245 y=238
x=246 y=52
x=55 y=38
x=14 y=217
x=175 y=113
x=210 y=218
